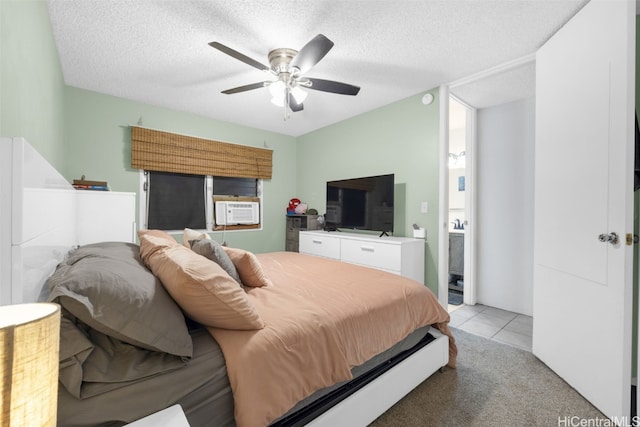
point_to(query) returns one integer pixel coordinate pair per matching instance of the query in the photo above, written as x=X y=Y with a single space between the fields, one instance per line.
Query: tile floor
x=499 y=325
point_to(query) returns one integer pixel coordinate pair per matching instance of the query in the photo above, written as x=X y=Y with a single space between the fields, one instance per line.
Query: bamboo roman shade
x=169 y=152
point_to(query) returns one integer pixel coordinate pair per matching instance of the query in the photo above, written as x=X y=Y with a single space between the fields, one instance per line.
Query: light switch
x=424 y=207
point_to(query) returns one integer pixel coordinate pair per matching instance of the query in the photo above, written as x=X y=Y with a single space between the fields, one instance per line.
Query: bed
x=291 y=339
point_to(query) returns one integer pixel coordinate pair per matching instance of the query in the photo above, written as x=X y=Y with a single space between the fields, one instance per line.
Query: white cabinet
x=398 y=255
x=105 y=216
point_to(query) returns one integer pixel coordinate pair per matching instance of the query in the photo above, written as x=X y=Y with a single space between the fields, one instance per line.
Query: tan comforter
x=322 y=318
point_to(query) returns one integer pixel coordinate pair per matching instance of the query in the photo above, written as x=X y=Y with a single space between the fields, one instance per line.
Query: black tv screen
x=361 y=203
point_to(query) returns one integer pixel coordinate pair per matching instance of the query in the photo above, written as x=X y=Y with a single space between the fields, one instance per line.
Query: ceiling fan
x=288 y=66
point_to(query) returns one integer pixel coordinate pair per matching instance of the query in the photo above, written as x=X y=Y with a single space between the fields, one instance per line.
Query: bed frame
x=37 y=221
x=38 y=227
x=371 y=401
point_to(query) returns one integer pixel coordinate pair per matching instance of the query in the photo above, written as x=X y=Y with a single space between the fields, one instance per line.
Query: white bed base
x=371 y=401
x=38 y=227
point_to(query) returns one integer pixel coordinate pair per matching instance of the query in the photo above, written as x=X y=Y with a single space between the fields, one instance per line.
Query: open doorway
x=496 y=216
x=457 y=219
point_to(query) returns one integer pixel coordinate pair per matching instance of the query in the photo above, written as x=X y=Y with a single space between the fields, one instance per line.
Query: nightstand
x=295 y=224
x=173 y=416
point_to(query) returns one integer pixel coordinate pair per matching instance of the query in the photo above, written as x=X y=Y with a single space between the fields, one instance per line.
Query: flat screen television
x=361 y=203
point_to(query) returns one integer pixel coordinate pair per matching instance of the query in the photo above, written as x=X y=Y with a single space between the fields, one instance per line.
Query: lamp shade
x=29 y=346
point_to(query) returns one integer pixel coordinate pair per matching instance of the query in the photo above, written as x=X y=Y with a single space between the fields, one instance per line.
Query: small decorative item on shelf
x=419 y=232
x=293 y=204
x=301 y=209
x=83 y=184
x=296 y=207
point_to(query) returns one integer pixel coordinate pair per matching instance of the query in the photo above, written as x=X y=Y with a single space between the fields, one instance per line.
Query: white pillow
x=189 y=234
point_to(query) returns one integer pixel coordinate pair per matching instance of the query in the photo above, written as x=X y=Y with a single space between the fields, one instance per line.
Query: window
x=244 y=187
x=174 y=201
x=195 y=172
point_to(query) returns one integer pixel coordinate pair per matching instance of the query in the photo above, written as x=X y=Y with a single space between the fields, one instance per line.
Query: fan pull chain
x=286 y=103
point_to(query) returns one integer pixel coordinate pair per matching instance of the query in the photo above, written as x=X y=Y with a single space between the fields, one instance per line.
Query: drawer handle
x=367 y=248
x=317 y=241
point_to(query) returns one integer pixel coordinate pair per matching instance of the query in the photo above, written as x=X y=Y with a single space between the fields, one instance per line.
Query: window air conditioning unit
x=236 y=213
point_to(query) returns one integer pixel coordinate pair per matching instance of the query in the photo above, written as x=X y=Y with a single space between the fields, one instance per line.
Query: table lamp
x=29 y=345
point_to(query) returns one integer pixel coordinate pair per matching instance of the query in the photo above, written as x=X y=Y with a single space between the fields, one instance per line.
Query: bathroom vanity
x=456 y=256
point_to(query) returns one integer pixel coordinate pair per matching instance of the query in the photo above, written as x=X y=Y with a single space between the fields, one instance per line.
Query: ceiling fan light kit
x=298 y=94
x=277 y=90
x=288 y=66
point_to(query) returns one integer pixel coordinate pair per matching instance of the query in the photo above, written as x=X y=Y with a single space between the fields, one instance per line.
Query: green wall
x=87 y=133
x=81 y=132
x=98 y=145
x=401 y=138
x=31 y=82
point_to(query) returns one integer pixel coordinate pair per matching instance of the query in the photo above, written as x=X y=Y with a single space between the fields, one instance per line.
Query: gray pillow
x=213 y=250
x=92 y=363
x=107 y=287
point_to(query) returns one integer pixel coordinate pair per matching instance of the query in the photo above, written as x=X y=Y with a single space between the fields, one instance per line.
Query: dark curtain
x=176 y=201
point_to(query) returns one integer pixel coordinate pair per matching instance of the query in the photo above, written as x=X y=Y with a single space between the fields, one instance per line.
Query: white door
x=584 y=159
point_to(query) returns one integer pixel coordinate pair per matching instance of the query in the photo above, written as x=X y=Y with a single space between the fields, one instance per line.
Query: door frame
x=470 y=204
x=471 y=233
x=469 y=293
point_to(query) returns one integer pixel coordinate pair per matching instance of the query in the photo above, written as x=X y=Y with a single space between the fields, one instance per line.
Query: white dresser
x=399 y=255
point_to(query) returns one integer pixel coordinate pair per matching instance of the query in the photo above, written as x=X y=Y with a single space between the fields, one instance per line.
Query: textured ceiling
x=157 y=52
x=516 y=83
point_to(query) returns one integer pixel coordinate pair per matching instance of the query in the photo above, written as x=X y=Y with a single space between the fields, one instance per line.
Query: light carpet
x=494 y=385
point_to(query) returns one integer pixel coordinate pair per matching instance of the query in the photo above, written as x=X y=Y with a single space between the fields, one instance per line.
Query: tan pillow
x=200 y=286
x=248 y=267
x=189 y=234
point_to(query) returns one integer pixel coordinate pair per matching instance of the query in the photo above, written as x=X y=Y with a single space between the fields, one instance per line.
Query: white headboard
x=37 y=221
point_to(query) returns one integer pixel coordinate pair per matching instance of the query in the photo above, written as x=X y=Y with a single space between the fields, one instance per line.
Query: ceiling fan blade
x=311 y=53
x=333 y=87
x=239 y=56
x=294 y=105
x=244 y=88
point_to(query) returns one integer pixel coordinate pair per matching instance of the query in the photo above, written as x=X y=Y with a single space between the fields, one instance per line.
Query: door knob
x=611 y=238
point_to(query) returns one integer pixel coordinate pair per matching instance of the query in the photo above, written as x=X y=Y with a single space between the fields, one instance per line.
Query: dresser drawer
x=291 y=245
x=292 y=234
x=373 y=254
x=320 y=245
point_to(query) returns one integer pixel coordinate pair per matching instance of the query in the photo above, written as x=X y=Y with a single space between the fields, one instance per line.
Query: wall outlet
x=424 y=207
